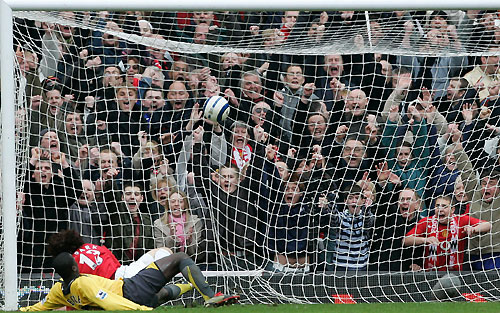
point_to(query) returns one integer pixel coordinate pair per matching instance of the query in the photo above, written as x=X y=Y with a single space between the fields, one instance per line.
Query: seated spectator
x=178 y=228
x=444 y=236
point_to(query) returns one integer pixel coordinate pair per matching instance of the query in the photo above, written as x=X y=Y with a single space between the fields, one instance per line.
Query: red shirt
x=447 y=247
x=96 y=260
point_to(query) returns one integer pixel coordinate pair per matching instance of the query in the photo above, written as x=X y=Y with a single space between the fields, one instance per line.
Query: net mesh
x=345 y=130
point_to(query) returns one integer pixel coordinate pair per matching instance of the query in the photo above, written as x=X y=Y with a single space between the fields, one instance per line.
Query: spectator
x=348 y=241
x=485 y=74
x=89 y=218
x=444 y=235
x=288 y=232
x=392 y=223
x=48 y=196
x=292 y=102
x=483 y=252
x=131 y=230
x=178 y=228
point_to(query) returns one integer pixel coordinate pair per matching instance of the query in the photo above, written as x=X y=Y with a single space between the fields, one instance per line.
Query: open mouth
x=53 y=109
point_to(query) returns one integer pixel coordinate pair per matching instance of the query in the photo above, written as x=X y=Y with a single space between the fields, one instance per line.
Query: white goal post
x=8 y=151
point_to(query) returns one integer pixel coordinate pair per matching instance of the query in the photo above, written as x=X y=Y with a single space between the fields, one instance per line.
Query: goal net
x=359 y=161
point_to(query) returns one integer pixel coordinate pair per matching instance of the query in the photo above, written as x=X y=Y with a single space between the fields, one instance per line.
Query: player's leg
x=182 y=263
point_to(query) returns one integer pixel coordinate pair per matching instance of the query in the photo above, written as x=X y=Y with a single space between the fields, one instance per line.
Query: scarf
x=242 y=157
x=179 y=223
x=446 y=253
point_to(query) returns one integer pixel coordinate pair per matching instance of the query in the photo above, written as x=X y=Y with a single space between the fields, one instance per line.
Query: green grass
x=493 y=307
x=445 y=307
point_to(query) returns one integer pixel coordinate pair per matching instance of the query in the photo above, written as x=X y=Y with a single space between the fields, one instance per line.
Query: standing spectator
x=348 y=240
x=89 y=218
x=48 y=196
x=131 y=230
x=293 y=100
x=391 y=225
x=444 y=235
x=288 y=233
x=485 y=74
x=484 y=252
x=178 y=228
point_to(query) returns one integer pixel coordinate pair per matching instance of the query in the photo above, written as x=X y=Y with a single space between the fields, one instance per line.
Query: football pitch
x=444 y=307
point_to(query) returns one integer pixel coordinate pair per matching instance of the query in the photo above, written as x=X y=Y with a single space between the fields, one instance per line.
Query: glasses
x=259 y=110
x=356 y=150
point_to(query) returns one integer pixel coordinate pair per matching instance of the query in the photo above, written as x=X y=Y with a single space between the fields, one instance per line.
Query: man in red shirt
x=444 y=236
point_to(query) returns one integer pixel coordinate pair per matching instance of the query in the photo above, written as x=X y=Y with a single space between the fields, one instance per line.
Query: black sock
x=193 y=274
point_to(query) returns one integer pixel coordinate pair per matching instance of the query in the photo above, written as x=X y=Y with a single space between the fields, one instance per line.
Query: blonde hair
x=156 y=182
x=164 y=217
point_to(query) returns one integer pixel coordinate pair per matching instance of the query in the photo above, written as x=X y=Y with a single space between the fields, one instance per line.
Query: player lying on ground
x=143 y=291
x=100 y=261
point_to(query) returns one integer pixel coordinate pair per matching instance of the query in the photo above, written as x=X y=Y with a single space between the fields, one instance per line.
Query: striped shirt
x=348 y=243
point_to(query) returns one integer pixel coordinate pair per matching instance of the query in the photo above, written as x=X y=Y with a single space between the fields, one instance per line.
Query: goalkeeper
x=144 y=291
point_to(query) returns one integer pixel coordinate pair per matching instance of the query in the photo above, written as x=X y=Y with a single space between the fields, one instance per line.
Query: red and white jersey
x=96 y=260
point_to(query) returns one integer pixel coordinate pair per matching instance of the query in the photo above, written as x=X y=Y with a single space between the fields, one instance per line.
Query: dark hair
x=295 y=179
x=155 y=88
x=296 y=65
x=63 y=264
x=352 y=189
x=491 y=173
x=463 y=83
x=128 y=183
x=445 y=197
x=439 y=14
x=64 y=241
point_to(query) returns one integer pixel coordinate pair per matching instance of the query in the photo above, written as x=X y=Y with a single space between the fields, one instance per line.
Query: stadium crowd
x=326 y=162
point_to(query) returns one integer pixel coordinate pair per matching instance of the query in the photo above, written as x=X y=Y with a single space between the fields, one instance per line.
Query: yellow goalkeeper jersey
x=85 y=293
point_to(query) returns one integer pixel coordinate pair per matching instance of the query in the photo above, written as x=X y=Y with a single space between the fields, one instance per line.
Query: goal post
x=404 y=284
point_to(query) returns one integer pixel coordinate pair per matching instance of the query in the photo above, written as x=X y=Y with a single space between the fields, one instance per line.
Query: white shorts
x=127 y=271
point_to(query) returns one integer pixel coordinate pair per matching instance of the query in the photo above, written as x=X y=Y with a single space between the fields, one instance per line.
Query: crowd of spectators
x=326 y=162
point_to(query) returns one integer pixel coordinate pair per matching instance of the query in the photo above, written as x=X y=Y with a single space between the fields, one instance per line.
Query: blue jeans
x=487 y=261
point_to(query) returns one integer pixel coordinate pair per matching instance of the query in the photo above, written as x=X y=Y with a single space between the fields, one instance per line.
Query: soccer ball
x=447 y=287
x=216 y=109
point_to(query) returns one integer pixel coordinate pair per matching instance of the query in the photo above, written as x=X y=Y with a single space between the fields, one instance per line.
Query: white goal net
x=359 y=161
